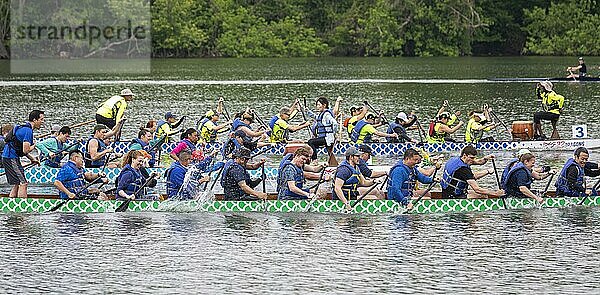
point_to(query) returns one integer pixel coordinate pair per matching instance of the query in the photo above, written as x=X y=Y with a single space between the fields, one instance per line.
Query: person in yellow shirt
x=477 y=125
x=439 y=130
x=280 y=128
x=552 y=105
x=112 y=110
x=166 y=126
x=363 y=130
x=357 y=113
x=208 y=127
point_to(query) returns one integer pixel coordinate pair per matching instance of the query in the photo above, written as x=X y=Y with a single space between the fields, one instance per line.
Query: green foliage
x=569 y=28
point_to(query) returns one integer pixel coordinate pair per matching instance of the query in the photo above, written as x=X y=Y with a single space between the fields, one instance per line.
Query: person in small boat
x=365 y=129
x=291 y=179
x=325 y=126
x=458 y=176
x=478 y=124
x=19 y=143
x=519 y=178
x=401 y=185
x=131 y=179
x=96 y=150
x=166 y=127
x=243 y=122
x=440 y=131
x=176 y=174
x=357 y=113
x=236 y=182
x=399 y=126
x=208 y=128
x=581 y=68
x=348 y=178
x=367 y=172
x=53 y=149
x=517 y=159
x=311 y=172
x=145 y=141
x=189 y=139
x=71 y=180
x=552 y=105
x=571 y=181
x=111 y=112
x=281 y=129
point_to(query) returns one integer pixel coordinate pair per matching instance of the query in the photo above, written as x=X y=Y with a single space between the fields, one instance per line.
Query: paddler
x=440 y=131
x=208 y=127
x=399 y=126
x=53 y=148
x=348 y=178
x=325 y=126
x=365 y=129
x=401 y=185
x=357 y=113
x=131 y=179
x=96 y=149
x=19 y=143
x=280 y=128
x=236 y=182
x=71 y=180
x=478 y=124
x=242 y=122
x=458 y=176
x=552 y=105
x=516 y=160
x=580 y=67
x=311 y=172
x=519 y=178
x=571 y=181
x=112 y=110
x=167 y=126
x=189 y=140
x=291 y=177
x=367 y=172
x=176 y=175
x=145 y=141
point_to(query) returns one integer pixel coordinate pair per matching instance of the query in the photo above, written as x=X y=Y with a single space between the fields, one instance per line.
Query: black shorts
x=548 y=116
x=15 y=174
x=110 y=123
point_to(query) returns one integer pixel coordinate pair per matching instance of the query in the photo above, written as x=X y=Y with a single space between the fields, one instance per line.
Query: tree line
x=299 y=28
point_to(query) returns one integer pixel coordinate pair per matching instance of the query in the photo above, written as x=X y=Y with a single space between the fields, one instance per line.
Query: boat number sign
x=579 y=131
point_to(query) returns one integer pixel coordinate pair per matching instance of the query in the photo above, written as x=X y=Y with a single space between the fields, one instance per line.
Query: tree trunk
x=3 y=51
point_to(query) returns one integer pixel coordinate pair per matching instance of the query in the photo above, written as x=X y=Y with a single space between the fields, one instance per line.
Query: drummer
x=552 y=104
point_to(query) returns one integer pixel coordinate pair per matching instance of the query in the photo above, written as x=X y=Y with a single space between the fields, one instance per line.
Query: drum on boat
x=522 y=130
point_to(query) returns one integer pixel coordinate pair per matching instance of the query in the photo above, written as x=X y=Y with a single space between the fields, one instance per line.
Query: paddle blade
x=58 y=206
x=332 y=160
x=123 y=207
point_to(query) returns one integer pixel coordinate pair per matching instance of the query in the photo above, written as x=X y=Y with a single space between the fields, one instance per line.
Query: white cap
x=55 y=128
x=547 y=85
x=522 y=152
x=402 y=116
x=127 y=91
x=481 y=116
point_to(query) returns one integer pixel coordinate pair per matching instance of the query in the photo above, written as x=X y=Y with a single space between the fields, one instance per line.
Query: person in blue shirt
x=292 y=174
x=54 y=148
x=131 y=179
x=236 y=181
x=176 y=175
x=19 y=143
x=71 y=180
x=571 y=180
x=404 y=176
x=145 y=142
x=367 y=172
x=520 y=177
x=348 y=178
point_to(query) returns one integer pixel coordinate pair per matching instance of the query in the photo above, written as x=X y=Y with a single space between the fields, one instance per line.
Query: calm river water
x=528 y=251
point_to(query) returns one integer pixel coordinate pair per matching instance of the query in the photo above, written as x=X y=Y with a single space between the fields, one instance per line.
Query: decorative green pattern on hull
x=17 y=205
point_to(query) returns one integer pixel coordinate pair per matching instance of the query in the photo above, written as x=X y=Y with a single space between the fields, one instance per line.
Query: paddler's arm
x=256 y=165
x=294 y=189
x=61 y=187
x=93 y=151
x=526 y=191
x=336 y=106
x=482 y=173
x=248 y=190
x=338 y=191
x=484 y=191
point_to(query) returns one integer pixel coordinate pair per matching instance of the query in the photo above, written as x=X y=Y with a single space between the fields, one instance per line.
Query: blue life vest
x=74 y=185
x=460 y=186
x=349 y=188
x=504 y=177
x=226 y=168
x=284 y=192
x=237 y=123
x=131 y=187
x=391 y=127
x=173 y=188
x=54 y=162
x=146 y=147
x=285 y=160
x=190 y=146
x=356 y=132
x=320 y=129
x=511 y=188
x=408 y=187
x=231 y=145
x=88 y=158
x=562 y=185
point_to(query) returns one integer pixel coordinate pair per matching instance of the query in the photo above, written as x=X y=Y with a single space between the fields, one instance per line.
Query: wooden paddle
x=594 y=188
x=309 y=206
x=77 y=194
x=72 y=126
x=501 y=122
x=379 y=114
x=421 y=196
x=310 y=135
x=367 y=193
x=123 y=207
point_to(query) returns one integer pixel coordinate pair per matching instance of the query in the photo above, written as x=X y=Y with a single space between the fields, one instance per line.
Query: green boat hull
x=20 y=205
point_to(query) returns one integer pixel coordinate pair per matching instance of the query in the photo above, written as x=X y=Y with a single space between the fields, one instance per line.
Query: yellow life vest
x=113 y=108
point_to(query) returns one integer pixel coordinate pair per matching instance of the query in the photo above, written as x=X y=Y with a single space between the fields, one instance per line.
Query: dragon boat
x=38 y=204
